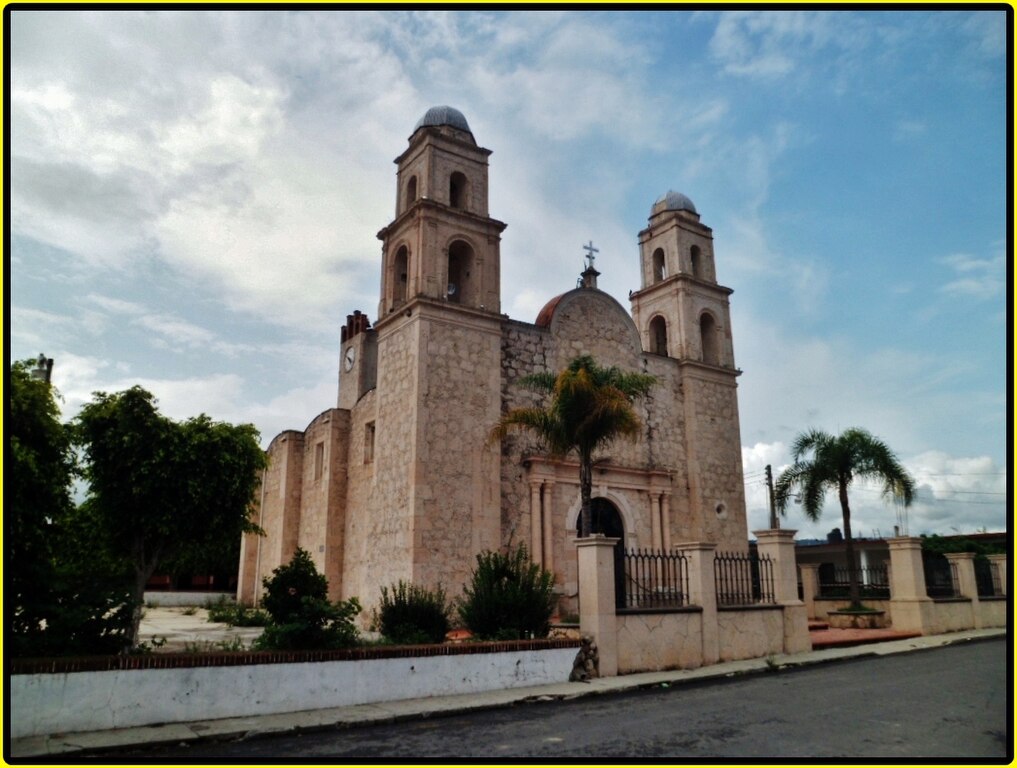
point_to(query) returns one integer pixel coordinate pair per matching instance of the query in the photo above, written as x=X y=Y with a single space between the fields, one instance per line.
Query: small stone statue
x=587 y=663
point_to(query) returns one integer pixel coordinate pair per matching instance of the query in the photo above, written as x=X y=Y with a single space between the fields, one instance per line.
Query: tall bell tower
x=680 y=310
x=442 y=244
x=435 y=490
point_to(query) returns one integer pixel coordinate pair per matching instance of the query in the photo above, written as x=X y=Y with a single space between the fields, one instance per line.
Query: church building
x=401 y=480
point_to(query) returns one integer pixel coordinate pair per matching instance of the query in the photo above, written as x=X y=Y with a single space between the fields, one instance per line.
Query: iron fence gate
x=873 y=584
x=940 y=575
x=743 y=579
x=653 y=579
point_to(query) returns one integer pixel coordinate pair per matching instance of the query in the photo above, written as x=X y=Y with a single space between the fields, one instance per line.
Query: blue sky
x=195 y=198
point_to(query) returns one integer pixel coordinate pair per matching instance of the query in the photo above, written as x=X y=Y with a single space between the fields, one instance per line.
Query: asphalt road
x=947 y=703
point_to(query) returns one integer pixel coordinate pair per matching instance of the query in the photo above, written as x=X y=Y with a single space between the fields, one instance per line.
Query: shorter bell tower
x=681 y=311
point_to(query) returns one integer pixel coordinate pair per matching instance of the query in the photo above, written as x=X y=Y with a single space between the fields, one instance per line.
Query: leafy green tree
x=39 y=464
x=508 y=597
x=303 y=618
x=589 y=407
x=823 y=462
x=158 y=487
x=62 y=596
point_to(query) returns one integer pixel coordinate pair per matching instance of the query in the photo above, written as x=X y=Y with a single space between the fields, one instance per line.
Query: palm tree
x=589 y=407
x=823 y=462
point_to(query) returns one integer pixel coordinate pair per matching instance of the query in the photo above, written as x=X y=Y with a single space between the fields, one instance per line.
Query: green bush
x=225 y=611
x=302 y=617
x=411 y=614
x=509 y=597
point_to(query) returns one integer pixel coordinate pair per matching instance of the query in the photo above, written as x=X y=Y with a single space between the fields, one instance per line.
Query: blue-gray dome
x=443 y=116
x=673 y=201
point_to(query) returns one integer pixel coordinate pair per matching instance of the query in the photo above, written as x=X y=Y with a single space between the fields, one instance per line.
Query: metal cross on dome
x=590 y=250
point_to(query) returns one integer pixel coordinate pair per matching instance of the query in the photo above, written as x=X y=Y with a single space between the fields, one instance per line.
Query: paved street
x=945 y=703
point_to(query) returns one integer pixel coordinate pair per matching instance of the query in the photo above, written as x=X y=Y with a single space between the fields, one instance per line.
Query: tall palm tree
x=825 y=462
x=589 y=407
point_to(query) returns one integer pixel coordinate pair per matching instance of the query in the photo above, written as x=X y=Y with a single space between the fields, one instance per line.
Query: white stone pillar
x=597 y=599
x=911 y=609
x=810 y=587
x=665 y=519
x=658 y=542
x=779 y=545
x=535 y=526
x=703 y=592
x=549 y=526
x=908 y=570
x=999 y=563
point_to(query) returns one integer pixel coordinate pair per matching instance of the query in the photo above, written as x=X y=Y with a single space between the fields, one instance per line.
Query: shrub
x=225 y=611
x=302 y=617
x=508 y=597
x=412 y=614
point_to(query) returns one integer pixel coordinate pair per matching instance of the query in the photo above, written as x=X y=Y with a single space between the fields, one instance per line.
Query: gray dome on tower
x=673 y=201
x=443 y=115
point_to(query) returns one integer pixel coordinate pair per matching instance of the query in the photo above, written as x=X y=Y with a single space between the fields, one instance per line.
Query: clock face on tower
x=349 y=358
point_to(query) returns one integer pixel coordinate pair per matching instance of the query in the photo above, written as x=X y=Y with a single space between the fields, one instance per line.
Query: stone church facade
x=401 y=479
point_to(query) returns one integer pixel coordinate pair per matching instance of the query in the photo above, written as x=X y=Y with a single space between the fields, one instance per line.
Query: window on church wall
x=460 y=268
x=708 y=334
x=400 y=276
x=319 y=460
x=457 y=188
x=696 y=260
x=659 y=265
x=369 y=442
x=658 y=335
x=411 y=191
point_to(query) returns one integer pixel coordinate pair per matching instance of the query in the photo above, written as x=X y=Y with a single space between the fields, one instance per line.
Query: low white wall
x=93 y=701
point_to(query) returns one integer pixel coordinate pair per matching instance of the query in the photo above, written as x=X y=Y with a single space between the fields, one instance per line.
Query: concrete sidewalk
x=250 y=727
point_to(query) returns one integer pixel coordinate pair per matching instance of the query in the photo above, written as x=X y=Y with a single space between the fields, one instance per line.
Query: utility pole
x=774 y=523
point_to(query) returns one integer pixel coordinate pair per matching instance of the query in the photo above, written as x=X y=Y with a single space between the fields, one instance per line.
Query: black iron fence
x=940 y=575
x=653 y=579
x=987 y=577
x=743 y=579
x=873 y=581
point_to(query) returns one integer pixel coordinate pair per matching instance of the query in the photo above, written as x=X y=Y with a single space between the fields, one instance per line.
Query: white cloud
x=114 y=305
x=980 y=279
x=768 y=44
x=78 y=377
x=231 y=127
x=908 y=129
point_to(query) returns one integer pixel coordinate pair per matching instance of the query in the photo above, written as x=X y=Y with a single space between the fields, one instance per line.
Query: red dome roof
x=544 y=316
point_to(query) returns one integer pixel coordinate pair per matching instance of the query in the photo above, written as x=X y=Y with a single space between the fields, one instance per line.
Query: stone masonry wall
x=361 y=502
x=379 y=512
x=717 y=490
x=456 y=467
x=278 y=512
x=591 y=322
x=323 y=498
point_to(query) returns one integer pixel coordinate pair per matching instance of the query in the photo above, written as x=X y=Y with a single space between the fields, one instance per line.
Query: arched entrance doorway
x=606 y=519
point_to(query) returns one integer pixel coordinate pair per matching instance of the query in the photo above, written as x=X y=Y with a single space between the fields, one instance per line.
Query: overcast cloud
x=195 y=197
